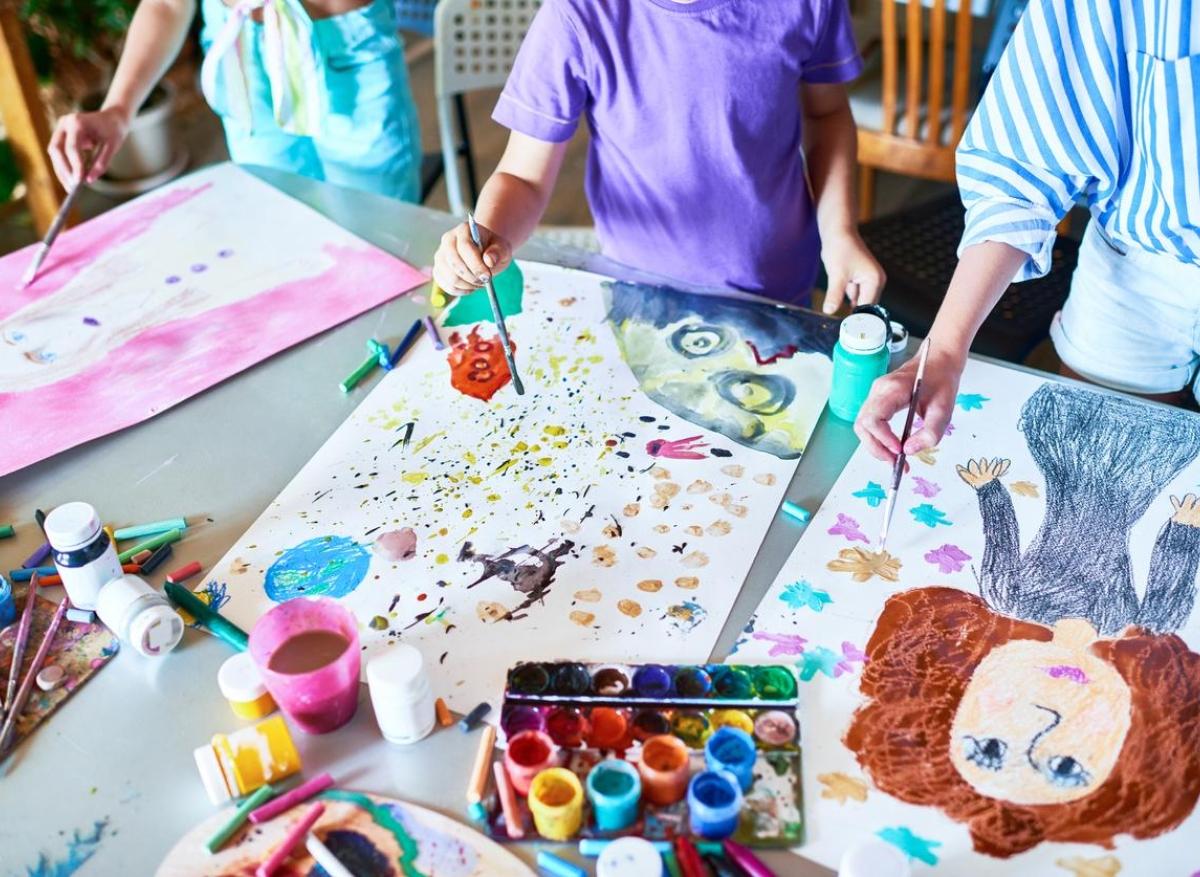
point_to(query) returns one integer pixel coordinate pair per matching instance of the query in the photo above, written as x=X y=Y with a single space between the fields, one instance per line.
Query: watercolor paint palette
x=579 y=715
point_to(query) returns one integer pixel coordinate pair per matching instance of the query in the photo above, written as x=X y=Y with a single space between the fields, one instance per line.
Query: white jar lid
x=156 y=630
x=863 y=333
x=72 y=525
x=629 y=857
x=400 y=670
x=239 y=679
x=211 y=775
x=874 y=857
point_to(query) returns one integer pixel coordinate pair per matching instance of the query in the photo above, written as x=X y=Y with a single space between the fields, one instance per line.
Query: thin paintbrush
x=898 y=466
x=497 y=314
x=14 y=708
x=18 y=652
x=43 y=249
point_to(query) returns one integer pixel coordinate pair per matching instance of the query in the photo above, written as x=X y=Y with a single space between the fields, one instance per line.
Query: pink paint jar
x=528 y=754
x=308 y=655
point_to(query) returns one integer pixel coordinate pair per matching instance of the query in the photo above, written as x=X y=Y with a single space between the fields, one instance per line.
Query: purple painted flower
x=851 y=655
x=925 y=487
x=784 y=643
x=918 y=422
x=948 y=558
x=848 y=527
x=173 y=279
x=199 y=268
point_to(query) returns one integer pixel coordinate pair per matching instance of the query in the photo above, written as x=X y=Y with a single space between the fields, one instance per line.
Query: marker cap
x=72 y=525
x=863 y=333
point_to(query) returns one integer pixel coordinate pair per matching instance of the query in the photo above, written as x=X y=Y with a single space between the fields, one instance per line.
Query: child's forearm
x=983 y=274
x=155 y=36
x=511 y=207
x=831 y=154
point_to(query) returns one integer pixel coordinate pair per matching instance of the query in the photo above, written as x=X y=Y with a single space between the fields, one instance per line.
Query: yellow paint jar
x=242 y=686
x=556 y=802
x=236 y=764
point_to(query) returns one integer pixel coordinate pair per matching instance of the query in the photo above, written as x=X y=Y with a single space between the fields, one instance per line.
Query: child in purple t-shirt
x=703 y=116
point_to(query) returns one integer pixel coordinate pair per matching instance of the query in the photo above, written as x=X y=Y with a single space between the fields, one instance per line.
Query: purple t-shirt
x=695 y=168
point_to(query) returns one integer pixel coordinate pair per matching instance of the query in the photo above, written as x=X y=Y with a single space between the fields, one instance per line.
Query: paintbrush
x=14 y=708
x=60 y=220
x=898 y=466
x=22 y=639
x=497 y=314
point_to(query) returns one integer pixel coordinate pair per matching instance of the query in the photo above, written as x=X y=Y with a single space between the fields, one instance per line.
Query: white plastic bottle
x=139 y=615
x=400 y=694
x=85 y=557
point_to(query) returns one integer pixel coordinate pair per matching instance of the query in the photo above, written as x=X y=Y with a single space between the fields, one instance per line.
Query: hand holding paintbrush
x=497 y=313
x=901 y=462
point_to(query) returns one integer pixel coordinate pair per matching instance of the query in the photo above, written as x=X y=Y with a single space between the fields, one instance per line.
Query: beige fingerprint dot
x=646 y=553
x=583 y=619
x=661 y=474
x=738 y=511
x=611 y=530
x=667 y=488
x=662 y=528
x=632 y=608
x=591 y=595
x=569 y=526
x=766 y=479
x=699 y=486
x=631 y=510
x=490 y=611
x=719 y=528
x=695 y=530
x=603 y=556
x=688 y=583
x=733 y=470
x=721 y=499
x=650 y=585
x=695 y=560
x=659 y=501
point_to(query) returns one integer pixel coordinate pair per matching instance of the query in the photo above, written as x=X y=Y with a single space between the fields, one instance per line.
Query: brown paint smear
x=477 y=366
x=925 y=647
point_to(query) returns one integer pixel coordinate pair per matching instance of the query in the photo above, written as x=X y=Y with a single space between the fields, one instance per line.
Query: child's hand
x=892 y=392
x=76 y=134
x=853 y=272
x=458 y=266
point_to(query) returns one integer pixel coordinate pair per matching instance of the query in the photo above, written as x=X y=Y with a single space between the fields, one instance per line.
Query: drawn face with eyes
x=1041 y=723
x=758 y=379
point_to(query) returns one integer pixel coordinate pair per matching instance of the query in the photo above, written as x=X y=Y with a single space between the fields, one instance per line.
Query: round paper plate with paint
x=370 y=835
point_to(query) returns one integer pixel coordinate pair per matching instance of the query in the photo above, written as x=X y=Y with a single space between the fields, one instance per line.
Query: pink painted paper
x=149 y=367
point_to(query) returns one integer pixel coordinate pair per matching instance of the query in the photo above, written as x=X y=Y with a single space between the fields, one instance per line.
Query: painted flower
x=925 y=487
x=783 y=643
x=873 y=493
x=848 y=527
x=948 y=558
x=970 y=401
x=929 y=516
x=863 y=564
x=800 y=594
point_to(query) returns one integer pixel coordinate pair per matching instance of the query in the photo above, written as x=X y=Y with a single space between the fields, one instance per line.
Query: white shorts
x=1132 y=320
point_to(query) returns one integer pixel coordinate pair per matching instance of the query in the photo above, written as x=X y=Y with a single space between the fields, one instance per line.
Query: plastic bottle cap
x=211 y=775
x=156 y=630
x=629 y=857
x=874 y=857
x=72 y=525
x=239 y=679
x=401 y=668
x=139 y=615
x=863 y=333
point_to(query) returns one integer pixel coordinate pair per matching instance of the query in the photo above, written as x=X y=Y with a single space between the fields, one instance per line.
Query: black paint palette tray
x=597 y=711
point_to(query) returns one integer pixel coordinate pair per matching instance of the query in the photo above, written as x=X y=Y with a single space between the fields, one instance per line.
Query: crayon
x=746 y=860
x=152 y=529
x=40 y=517
x=150 y=544
x=81 y=616
x=444 y=717
x=151 y=563
x=432 y=331
x=184 y=572
x=37 y=557
x=592 y=847
x=142 y=556
x=24 y=575
x=48 y=581
x=7 y=532
x=406 y=342
x=364 y=369
x=238 y=819
x=689 y=858
x=513 y=824
x=548 y=863
x=290 y=799
x=797 y=513
x=672 y=864
x=483 y=758
x=471 y=719
x=324 y=857
x=295 y=835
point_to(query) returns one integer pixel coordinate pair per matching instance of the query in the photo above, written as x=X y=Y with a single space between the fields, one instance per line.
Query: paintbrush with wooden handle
x=898 y=466
x=60 y=220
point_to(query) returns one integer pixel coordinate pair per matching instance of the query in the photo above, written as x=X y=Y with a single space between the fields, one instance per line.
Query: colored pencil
x=898 y=466
x=291 y=798
x=18 y=654
x=497 y=314
x=56 y=226
x=14 y=709
x=295 y=835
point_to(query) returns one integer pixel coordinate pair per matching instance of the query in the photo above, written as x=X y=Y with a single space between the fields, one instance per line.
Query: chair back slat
x=961 y=88
x=891 y=60
x=915 y=40
x=937 y=70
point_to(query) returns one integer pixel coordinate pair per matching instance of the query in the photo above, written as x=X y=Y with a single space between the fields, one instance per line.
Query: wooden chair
x=913 y=138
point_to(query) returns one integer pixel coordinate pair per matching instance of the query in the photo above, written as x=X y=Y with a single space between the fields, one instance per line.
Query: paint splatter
x=863 y=564
x=848 y=527
x=911 y=845
x=928 y=456
x=645 y=552
x=604 y=556
x=873 y=493
x=632 y=608
x=327 y=566
x=719 y=528
x=695 y=560
x=1104 y=866
x=662 y=528
x=477 y=366
x=830 y=663
x=801 y=594
x=948 y=558
x=766 y=479
x=488 y=610
x=650 y=586
x=583 y=619
x=1064 y=671
x=970 y=401
x=925 y=487
x=694 y=530
x=1024 y=488
x=81 y=847
x=664 y=492
x=378 y=623
x=91 y=321
x=842 y=787
x=699 y=486
x=397 y=544
x=679 y=449
x=631 y=510
x=734 y=470
x=531 y=577
x=929 y=516
x=687 y=583
x=686 y=616
x=782 y=643
x=591 y=595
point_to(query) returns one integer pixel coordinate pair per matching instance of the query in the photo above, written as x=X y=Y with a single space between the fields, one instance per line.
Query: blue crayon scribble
x=970 y=401
x=913 y=846
x=80 y=848
x=873 y=493
x=328 y=566
x=217 y=592
x=800 y=594
x=929 y=516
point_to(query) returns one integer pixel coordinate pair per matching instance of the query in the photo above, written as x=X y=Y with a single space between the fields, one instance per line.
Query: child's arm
x=155 y=36
x=510 y=206
x=831 y=155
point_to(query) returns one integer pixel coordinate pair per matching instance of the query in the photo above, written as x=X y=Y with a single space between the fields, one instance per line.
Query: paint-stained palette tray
x=598 y=711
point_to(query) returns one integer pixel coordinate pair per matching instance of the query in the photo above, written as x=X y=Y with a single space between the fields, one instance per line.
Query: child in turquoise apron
x=327 y=98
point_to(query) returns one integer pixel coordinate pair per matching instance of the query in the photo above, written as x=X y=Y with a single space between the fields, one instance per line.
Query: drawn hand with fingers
x=979 y=472
x=1187 y=510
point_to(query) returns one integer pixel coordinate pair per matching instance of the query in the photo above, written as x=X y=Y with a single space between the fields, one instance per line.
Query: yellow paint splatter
x=493 y=497
x=424 y=443
x=554 y=430
x=650 y=586
x=414 y=477
x=469 y=457
x=632 y=608
x=928 y=456
x=442 y=558
x=660 y=473
x=688 y=583
x=488 y=611
x=467 y=513
x=602 y=555
x=544 y=461
x=1024 y=488
x=611 y=530
x=1104 y=866
x=737 y=510
x=520 y=448
x=699 y=486
x=863 y=564
x=583 y=619
x=631 y=510
x=695 y=560
x=694 y=530
x=733 y=470
x=591 y=595
x=842 y=787
x=719 y=528
x=646 y=553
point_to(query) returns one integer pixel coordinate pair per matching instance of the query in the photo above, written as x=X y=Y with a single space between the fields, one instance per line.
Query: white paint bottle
x=139 y=615
x=874 y=857
x=400 y=694
x=629 y=857
x=85 y=557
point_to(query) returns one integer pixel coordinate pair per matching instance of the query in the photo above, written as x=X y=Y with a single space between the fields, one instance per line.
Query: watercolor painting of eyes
x=1063 y=770
x=987 y=752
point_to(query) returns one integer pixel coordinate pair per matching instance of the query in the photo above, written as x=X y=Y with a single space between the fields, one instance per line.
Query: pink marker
x=293 y=839
x=298 y=795
x=746 y=860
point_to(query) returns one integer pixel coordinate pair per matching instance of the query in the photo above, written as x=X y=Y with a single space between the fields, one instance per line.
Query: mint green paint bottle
x=860 y=356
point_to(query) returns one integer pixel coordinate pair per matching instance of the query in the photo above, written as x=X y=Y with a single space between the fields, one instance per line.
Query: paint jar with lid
x=243 y=687
x=8 y=606
x=139 y=615
x=84 y=555
x=860 y=357
x=236 y=764
x=714 y=804
x=400 y=694
x=629 y=857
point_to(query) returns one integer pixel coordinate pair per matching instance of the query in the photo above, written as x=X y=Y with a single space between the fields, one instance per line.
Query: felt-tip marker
x=471 y=719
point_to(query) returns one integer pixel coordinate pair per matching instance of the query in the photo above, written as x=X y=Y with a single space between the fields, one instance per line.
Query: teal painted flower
x=801 y=594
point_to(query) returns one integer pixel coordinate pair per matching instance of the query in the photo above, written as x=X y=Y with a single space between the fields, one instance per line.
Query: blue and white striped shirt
x=1096 y=99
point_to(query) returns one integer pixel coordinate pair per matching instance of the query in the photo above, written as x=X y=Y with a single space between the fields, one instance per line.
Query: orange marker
x=445 y=719
x=508 y=801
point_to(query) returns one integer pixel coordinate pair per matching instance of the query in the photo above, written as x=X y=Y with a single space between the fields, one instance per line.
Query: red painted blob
x=477 y=366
